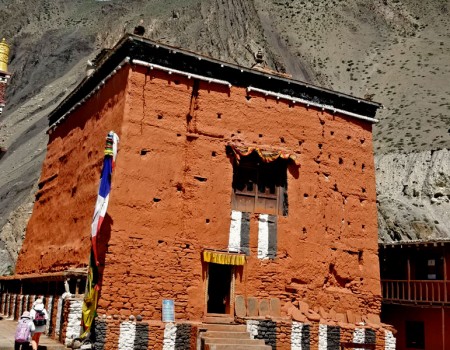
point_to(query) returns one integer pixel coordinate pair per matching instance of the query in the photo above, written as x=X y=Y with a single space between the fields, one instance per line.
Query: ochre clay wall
x=58 y=233
x=162 y=217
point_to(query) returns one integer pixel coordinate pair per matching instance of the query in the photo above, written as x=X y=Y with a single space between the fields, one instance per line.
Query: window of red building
x=429 y=267
x=415 y=335
x=260 y=187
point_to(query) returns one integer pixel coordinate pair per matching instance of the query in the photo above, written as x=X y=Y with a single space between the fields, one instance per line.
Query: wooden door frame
x=232 y=282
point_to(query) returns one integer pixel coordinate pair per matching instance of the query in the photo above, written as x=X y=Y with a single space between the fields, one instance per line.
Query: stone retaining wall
x=139 y=335
x=129 y=334
x=305 y=336
x=280 y=335
x=72 y=324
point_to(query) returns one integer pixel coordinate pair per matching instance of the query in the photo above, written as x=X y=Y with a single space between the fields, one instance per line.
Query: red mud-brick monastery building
x=245 y=198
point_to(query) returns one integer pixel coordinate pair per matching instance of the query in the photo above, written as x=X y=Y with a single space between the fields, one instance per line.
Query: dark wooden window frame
x=260 y=187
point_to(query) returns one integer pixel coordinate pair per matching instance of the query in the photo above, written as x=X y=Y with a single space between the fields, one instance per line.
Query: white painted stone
x=234 y=242
x=323 y=341
x=389 y=341
x=263 y=236
x=58 y=317
x=296 y=336
x=127 y=335
x=73 y=320
x=252 y=328
x=359 y=337
x=170 y=332
x=49 y=312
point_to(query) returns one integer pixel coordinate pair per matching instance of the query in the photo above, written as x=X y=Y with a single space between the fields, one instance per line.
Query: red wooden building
x=416 y=297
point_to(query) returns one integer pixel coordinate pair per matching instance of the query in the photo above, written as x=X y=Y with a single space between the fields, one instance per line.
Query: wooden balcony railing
x=416 y=291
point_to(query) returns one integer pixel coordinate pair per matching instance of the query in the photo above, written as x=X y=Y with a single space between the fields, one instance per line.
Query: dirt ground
x=8 y=330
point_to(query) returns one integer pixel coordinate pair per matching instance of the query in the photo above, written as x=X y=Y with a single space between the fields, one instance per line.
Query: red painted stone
x=298 y=316
x=275 y=307
x=239 y=306
x=264 y=307
x=252 y=307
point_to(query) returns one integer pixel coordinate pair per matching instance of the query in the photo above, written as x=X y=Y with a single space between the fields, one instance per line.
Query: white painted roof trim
x=141 y=63
x=209 y=80
x=186 y=74
x=310 y=103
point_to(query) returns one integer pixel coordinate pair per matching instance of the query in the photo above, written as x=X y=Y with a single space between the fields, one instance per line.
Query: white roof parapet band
x=188 y=75
x=310 y=103
x=95 y=89
x=209 y=80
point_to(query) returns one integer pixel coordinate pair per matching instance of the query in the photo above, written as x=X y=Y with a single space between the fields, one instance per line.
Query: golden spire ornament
x=4 y=55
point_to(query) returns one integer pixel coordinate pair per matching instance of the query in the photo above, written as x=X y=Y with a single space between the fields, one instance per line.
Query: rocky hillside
x=394 y=51
x=413 y=193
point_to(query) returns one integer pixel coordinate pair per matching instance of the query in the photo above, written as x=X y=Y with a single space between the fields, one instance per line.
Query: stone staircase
x=229 y=337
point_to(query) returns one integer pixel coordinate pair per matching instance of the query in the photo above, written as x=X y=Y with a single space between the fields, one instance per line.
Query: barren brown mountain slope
x=396 y=51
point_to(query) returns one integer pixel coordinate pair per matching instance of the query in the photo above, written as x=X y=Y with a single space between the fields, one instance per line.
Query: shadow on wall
x=102 y=244
x=294 y=170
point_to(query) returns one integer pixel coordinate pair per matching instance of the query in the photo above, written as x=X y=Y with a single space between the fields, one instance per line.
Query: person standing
x=39 y=316
x=24 y=331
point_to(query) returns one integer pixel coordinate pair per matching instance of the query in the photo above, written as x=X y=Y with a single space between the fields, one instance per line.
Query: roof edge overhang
x=416 y=243
x=132 y=47
x=47 y=276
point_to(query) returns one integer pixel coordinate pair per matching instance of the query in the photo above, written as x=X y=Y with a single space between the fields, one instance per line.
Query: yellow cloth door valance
x=223 y=258
x=266 y=155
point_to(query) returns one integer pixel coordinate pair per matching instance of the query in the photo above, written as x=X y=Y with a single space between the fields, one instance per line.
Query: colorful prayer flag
x=112 y=141
x=89 y=307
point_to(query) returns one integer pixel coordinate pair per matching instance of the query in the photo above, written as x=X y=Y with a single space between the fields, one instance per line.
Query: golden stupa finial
x=4 y=55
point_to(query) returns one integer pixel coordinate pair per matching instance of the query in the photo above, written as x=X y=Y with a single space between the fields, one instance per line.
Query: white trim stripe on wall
x=127 y=335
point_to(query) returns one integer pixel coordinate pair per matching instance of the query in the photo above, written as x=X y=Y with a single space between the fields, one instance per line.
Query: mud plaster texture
x=161 y=216
x=58 y=233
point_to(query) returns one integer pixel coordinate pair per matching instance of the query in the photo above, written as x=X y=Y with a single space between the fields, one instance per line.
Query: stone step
x=236 y=347
x=221 y=319
x=235 y=341
x=219 y=334
x=224 y=327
